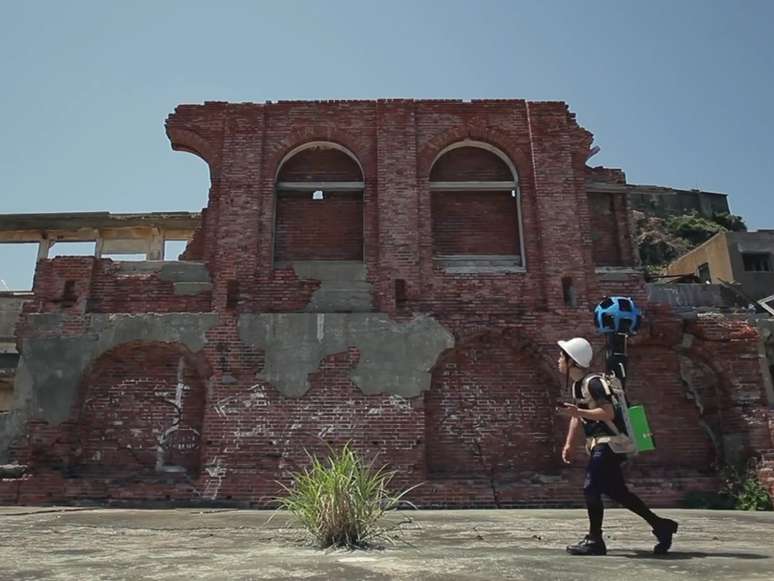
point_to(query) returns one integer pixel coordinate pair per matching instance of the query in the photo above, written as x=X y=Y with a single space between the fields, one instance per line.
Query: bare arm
x=572 y=432
x=602 y=414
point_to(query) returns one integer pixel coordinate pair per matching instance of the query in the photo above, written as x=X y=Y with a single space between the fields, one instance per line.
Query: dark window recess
x=69 y=298
x=232 y=294
x=568 y=290
x=400 y=291
x=757 y=261
x=703 y=273
x=9 y=360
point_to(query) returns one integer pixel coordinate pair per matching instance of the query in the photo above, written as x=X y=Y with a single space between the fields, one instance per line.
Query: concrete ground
x=222 y=544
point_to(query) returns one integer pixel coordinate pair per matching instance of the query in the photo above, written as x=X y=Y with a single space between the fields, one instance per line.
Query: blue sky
x=677 y=93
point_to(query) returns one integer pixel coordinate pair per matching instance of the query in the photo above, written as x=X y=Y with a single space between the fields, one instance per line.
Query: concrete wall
x=10 y=308
x=756 y=284
x=684 y=296
x=714 y=252
x=665 y=202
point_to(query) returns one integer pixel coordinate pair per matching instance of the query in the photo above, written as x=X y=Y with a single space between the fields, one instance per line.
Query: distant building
x=746 y=258
x=659 y=201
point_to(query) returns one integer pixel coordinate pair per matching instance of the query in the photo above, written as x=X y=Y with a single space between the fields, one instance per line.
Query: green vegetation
x=742 y=485
x=342 y=500
x=740 y=489
x=662 y=240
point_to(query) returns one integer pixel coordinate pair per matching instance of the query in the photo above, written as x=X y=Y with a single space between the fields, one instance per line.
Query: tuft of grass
x=341 y=500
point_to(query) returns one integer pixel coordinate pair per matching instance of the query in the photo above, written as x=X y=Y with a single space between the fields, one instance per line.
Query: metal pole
x=617 y=356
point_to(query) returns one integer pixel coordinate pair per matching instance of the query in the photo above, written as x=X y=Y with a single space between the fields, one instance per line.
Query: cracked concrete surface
x=191 y=544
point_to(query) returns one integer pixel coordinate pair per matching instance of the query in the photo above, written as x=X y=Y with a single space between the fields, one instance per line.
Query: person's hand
x=567 y=454
x=569 y=410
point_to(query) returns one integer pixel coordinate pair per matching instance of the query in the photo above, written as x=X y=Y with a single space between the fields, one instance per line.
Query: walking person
x=593 y=413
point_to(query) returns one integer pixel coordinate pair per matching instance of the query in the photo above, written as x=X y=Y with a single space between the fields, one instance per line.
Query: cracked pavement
x=449 y=545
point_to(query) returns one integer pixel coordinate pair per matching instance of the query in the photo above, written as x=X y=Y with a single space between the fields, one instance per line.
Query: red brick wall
x=501 y=389
x=327 y=229
x=136 y=399
x=116 y=292
x=320 y=165
x=256 y=435
x=467 y=164
x=606 y=175
x=475 y=223
x=62 y=284
x=656 y=382
x=604 y=230
x=489 y=410
x=78 y=284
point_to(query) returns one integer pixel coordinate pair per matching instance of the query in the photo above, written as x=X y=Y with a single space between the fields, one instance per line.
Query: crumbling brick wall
x=477 y=424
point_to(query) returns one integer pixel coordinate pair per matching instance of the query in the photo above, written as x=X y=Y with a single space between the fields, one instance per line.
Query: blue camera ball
x=617 y=315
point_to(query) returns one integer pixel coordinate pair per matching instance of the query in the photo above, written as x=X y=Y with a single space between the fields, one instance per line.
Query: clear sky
x=676 y=92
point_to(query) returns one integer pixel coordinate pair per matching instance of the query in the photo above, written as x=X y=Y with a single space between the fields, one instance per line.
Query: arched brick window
x=475 y=208
x=141 y=412
x=319 y=211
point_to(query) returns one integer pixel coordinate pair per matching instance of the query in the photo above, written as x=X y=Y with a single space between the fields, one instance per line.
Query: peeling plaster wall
x=51 y=368
x=395 y=358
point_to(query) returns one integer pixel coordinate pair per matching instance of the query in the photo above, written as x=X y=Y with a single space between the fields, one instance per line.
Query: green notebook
x=642 y=436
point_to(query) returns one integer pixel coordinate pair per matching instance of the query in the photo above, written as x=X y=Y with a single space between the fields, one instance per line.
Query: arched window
x=319 y=210
x=475 y=209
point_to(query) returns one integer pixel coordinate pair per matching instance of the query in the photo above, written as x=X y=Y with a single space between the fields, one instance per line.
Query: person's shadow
x=682 y=555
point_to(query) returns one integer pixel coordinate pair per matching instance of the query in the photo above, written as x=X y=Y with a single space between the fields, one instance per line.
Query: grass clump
x=341 y=500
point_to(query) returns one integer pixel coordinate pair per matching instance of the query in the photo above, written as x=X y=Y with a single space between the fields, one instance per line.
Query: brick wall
x=140 y=407
x=320 y=165
x=475 y=223
x=485 y=433
x=466 y=164
x=489 y=412
x=326 y=229
x=76 y=285
x=604 y=224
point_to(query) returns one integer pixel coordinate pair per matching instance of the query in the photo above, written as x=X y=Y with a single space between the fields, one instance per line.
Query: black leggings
x=604 y=476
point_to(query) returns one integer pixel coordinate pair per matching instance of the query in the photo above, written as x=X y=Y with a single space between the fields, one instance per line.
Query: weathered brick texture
x=485 y=432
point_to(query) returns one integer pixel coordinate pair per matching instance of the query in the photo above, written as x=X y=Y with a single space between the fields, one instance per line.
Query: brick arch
x=499 y=168
x=431 y=150
x=676 y=342
x=490 y=410
x=681 y=394
x=458 y=219
x=298 y=138
x=191 y=142
x=140 y=411
x=312 y=144
x=728 y=412
x=516 y=339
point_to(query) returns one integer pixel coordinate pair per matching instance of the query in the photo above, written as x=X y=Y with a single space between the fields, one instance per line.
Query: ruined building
x=394 y=273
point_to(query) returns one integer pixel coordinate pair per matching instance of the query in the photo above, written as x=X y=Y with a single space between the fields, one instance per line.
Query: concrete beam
x=474 y=186
x=324 y=186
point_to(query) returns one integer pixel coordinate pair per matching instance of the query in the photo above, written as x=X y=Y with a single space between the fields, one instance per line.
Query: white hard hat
x=579 y=350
